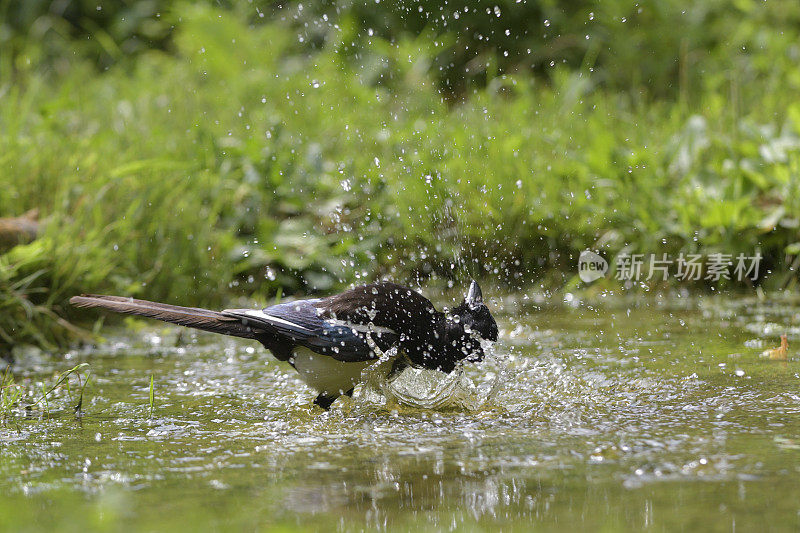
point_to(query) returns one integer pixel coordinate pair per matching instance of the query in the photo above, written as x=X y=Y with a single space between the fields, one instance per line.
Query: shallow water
x=613 y=415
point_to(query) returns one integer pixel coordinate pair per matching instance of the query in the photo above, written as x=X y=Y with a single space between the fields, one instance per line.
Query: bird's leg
x=325 y=401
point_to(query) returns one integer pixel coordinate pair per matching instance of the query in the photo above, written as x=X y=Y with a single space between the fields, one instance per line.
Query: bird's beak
x=474 y=296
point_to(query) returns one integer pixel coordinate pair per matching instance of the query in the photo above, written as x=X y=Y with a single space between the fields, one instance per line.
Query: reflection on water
x=656 y=415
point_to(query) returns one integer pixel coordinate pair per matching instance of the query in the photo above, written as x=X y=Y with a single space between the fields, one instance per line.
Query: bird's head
x=465 y=327
x=475 y=317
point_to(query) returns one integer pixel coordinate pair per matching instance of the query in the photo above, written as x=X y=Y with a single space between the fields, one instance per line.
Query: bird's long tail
x=192 y=317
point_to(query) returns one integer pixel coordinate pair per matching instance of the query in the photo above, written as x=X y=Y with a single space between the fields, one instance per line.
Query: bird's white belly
x=325 y=374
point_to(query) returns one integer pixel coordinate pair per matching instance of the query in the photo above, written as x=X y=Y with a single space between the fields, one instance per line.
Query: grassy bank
x=241 y=163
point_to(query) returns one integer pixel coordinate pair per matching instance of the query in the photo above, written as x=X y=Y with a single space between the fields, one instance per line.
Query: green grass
x=242 y=164
x=17 y=396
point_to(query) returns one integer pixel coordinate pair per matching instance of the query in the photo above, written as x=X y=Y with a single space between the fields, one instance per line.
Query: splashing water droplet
x=427 y=389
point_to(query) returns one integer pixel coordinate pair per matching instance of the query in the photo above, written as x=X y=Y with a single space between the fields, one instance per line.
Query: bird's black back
x=422 y=328
x=382 y=304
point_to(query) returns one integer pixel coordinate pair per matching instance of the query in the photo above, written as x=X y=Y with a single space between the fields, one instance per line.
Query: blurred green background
x=196 y=152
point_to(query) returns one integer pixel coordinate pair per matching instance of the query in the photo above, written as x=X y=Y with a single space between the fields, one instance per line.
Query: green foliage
x=243 y=164
x=106 y=32
x=655 y=48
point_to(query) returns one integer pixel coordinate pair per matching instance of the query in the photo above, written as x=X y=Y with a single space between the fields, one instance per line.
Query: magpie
x=330 y=341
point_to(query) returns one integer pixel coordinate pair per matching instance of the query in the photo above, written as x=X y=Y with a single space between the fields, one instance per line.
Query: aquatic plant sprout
x=13 y=395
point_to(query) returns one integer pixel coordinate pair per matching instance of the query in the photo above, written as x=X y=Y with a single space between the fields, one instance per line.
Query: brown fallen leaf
x=18 y=230
x=778 y=354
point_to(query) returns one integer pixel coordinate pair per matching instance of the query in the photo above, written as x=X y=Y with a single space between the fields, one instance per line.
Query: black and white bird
x=330 y=341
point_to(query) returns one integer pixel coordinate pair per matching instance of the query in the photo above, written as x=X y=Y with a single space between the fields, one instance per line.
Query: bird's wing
x=296 y=320
x=301 y=323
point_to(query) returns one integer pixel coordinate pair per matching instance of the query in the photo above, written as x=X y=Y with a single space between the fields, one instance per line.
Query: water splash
x=429 y=389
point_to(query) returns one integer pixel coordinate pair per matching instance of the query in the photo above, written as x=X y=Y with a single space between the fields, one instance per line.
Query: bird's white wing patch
x=260 y=316
x=361 y=328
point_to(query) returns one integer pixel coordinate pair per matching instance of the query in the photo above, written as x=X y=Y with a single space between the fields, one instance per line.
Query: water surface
x=612 y=415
